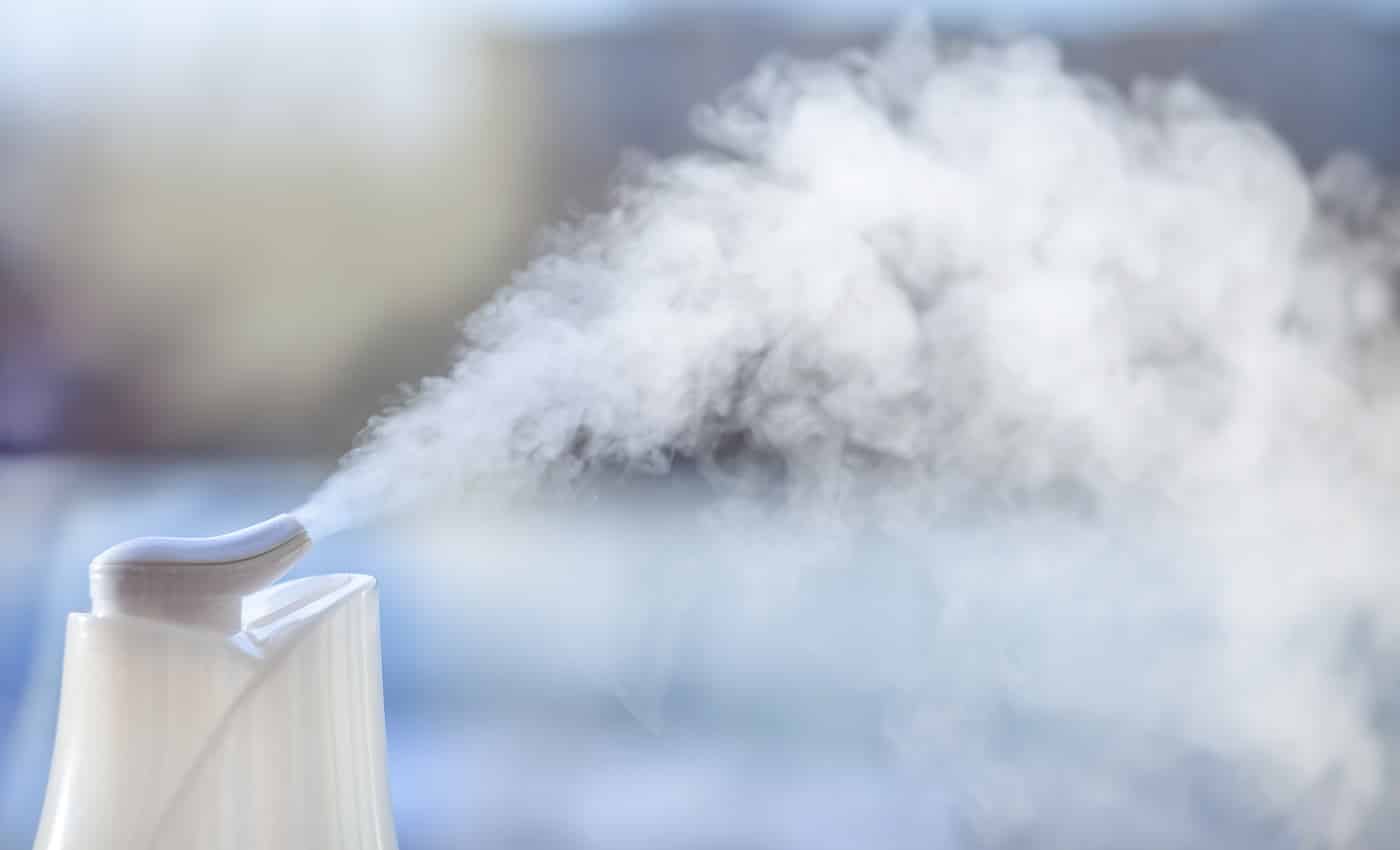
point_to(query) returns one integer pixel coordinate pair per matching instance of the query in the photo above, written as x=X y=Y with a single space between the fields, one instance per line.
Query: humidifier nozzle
x=196 y=581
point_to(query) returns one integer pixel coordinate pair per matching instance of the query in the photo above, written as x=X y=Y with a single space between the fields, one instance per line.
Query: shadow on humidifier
x=206 y=708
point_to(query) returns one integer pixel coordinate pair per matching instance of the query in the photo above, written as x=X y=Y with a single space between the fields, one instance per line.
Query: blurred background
x=229 y=231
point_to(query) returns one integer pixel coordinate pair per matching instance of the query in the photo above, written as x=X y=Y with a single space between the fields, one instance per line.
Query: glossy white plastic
x=175 y=733
x=198 y=581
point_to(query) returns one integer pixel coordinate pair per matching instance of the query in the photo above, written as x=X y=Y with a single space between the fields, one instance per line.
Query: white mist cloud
x=1112 y=367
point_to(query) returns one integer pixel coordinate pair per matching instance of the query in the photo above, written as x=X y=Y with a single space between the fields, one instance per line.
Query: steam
x=1114 y=361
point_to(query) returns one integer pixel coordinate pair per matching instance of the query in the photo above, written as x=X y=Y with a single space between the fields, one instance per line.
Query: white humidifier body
x=203 y=709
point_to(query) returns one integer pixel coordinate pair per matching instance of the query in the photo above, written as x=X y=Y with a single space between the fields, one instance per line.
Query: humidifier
x=206 y=708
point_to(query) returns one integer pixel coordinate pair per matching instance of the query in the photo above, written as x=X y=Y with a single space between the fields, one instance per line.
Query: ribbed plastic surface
x=172 y=738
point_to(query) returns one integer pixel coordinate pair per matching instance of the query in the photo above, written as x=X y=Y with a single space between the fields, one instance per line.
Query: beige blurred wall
x=240 y=277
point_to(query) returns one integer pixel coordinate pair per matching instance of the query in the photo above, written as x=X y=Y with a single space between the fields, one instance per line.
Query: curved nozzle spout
x=196 y=581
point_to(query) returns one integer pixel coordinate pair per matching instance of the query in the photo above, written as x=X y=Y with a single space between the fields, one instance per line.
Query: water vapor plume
x=955 y=292
x=960 y=268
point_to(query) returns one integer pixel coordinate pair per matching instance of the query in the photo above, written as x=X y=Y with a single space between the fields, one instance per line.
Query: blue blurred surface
x=510 y=716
